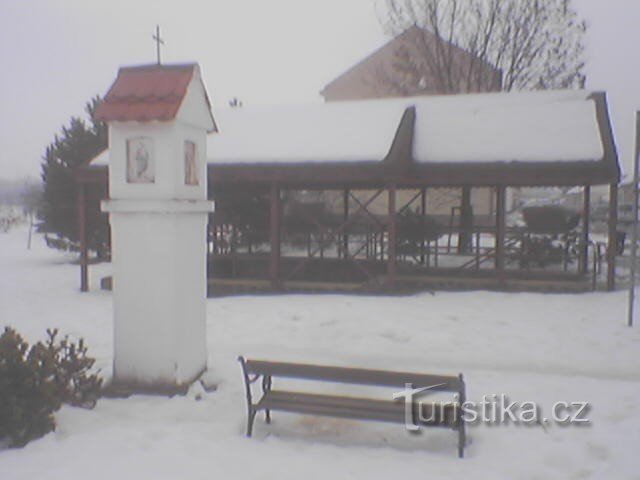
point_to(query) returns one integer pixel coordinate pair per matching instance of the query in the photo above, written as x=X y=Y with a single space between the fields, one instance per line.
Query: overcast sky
x=57 y=54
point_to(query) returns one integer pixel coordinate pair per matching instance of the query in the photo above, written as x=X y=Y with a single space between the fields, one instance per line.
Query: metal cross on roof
x=159 y=42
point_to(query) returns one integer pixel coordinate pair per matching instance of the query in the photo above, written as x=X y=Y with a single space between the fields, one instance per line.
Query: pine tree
x=74 y=146
x=27 y=393
x=35 y=381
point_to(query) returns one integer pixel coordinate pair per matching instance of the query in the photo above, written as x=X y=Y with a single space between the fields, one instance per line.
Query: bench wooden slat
x=353 y=407
x=383 y=378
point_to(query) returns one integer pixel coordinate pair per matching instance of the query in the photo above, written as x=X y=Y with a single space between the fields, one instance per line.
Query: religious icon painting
x=140 y=160
x=190 y=163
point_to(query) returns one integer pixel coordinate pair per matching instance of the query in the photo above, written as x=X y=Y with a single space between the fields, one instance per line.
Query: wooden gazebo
x=380 y=160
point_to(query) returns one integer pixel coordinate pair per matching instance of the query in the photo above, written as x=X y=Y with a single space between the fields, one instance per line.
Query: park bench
x=443 y=414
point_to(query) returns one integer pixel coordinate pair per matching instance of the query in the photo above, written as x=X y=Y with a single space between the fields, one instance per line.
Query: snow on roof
x=547 y=126
x=100 y=160
x=544 y=126
x=332 y=132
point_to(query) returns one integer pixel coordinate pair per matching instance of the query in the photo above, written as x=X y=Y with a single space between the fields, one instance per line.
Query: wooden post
x=584 y=238
x=82 y=237
x=612 y=250
x=274 y=231
x=492 y=201
x=466 y=221
x=500 y=229
x=374 y=246
x=393 y=233
x=368 y=240
x=478 y=237
x=345 y=217
x=423 y=212
x=233 y=247
x=634 y=233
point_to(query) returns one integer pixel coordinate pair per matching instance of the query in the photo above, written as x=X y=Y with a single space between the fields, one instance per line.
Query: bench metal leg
x=462 y=437
x=266 y=388
x=252 y=416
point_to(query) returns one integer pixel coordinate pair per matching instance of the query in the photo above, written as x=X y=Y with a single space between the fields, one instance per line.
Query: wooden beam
x=466 y=221
x=82 y=237
x=375 y=174
x=393 y=236
x=612 y=250
x=274 y=233
x=234 y=247
x=610 y=159
x=345 y=216
x=492 y=201
x=634 y=233
x=423 y=213
x=500 y=229
x=584 y=237
x=401 y=151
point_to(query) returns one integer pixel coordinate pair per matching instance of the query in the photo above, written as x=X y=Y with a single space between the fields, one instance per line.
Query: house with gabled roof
x=383 y=73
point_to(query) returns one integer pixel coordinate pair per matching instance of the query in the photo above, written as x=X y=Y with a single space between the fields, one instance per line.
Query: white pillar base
x=159 y=303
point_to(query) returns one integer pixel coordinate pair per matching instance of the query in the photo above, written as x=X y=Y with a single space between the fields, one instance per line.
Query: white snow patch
x=515 y=127
x=543 y=348
x=333 y=132
x=100 y=160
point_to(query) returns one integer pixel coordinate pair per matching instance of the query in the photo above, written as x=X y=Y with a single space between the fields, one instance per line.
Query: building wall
x=377 y=75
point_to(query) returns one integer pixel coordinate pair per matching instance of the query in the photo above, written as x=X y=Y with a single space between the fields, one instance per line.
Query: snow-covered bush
x=36 y=380
x=27 y=393
x=74 y=382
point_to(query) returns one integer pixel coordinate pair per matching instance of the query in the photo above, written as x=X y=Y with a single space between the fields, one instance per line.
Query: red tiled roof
x=146 y=93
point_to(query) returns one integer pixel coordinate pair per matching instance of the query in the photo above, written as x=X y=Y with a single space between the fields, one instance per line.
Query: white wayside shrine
x=158 y=119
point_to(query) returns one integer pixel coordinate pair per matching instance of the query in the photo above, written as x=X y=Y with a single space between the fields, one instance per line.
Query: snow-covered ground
x=534 y=347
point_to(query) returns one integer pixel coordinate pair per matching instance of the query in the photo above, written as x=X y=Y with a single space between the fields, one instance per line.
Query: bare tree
x=455 y=46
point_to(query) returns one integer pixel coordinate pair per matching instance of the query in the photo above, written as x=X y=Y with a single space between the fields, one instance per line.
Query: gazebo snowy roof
x=340 y=132
x=519 y=127
x=532 y=138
